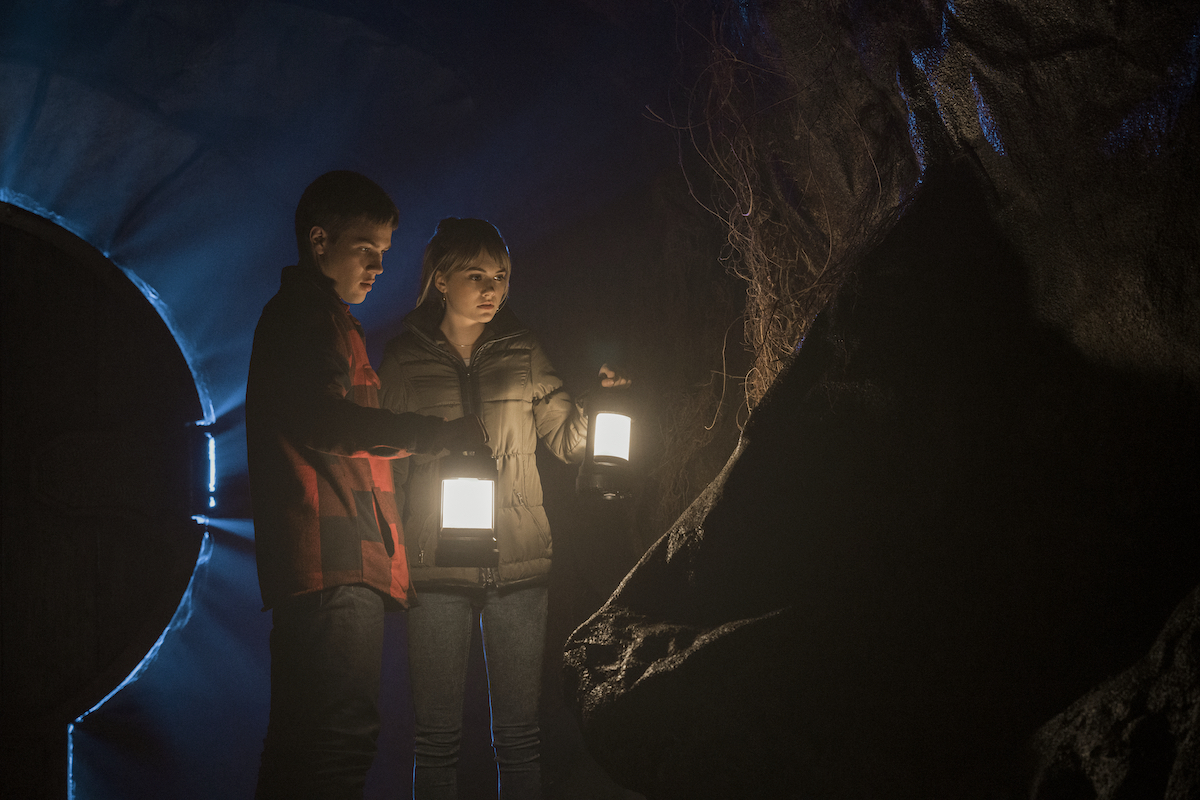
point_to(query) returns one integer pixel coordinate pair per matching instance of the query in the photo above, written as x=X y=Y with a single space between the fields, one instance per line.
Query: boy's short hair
x=335 y=200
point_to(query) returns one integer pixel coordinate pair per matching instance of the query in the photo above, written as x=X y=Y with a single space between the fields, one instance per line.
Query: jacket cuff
x=424 y=434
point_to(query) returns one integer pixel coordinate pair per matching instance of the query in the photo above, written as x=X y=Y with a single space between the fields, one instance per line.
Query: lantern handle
x=611 y=378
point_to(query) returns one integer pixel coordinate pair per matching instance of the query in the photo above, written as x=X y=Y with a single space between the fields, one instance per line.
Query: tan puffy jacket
x=511 y=385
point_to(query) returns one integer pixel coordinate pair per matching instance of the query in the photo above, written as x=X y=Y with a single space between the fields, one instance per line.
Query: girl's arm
x=560 y=422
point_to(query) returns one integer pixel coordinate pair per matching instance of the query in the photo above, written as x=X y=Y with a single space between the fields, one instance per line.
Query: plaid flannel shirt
x=319 y=449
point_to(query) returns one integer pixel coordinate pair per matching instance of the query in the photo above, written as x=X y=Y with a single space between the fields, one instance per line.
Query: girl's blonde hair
x=456 y=245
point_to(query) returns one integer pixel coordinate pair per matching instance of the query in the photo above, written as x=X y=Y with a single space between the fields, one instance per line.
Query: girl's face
x=474 y=294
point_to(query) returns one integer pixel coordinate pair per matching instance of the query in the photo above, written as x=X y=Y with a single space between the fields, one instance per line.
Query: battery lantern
x=467 y=537
x=605 y=467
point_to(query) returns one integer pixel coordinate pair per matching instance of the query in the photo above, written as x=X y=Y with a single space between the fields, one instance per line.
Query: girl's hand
x=610 y=378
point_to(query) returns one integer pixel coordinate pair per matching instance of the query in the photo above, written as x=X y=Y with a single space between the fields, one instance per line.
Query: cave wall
x=971 y=495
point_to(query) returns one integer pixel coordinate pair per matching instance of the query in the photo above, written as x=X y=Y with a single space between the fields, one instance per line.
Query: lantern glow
x=468 y=537
x=606 y=467
x=467 y=503
x=612 y=436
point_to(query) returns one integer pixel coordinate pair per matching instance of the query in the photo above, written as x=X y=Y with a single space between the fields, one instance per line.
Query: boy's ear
x=318 y=239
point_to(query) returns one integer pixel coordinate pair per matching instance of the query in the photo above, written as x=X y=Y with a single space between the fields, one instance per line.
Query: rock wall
x=972 y=495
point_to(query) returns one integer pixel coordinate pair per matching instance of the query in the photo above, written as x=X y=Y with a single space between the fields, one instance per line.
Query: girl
x=463 y=353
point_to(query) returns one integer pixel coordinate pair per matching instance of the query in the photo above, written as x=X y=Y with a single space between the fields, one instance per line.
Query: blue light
x=746 y=26
x=243 y=528
x=914 y=132
x=212 y=464
x=189 y=353
x=184 y=610
x=928 y=60
x=183 y=613
x=987 y=123
x=71 y=761
x=1148 y=125
x=212 y=468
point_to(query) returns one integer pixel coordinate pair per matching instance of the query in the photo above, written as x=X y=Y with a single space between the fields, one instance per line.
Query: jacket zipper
x=488 y=576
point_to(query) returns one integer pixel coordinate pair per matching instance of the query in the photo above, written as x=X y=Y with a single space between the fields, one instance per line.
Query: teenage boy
x=328 y=540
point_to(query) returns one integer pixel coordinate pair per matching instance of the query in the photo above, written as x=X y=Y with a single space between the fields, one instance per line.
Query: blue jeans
x=513 y=624
x=326 y=659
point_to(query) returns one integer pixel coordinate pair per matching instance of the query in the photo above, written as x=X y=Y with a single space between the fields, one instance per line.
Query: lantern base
x=610 y=484
x=467 y=547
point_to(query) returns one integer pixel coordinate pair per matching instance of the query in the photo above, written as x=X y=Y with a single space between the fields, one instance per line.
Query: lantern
x=605 y=467
x=467 y=537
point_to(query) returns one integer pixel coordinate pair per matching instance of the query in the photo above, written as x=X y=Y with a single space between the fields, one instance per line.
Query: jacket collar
x=425 y=319
x=299 y=278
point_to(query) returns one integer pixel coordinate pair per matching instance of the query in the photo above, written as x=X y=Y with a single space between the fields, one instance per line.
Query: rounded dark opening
x=103 y=467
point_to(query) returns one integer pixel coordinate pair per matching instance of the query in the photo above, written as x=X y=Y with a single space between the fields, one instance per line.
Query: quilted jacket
x=514 y=389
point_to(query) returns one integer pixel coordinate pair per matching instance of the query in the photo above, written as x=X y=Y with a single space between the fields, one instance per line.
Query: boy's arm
x=302 y=372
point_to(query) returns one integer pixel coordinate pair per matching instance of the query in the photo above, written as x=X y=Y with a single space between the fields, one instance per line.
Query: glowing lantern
x=467 y=537
x=612 y=438
x=605 y=468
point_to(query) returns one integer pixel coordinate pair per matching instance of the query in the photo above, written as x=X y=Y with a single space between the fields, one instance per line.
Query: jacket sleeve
x=560 y=422
x=394 y=396
x=301 y=375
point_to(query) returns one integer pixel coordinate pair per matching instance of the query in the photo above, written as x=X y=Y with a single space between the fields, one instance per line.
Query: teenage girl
x=462 y=352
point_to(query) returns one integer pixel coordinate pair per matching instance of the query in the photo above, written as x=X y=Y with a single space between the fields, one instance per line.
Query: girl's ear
x=439 y=282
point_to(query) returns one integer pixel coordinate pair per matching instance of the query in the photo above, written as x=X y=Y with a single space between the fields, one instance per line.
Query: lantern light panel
x=467 y=503
x=612 y=436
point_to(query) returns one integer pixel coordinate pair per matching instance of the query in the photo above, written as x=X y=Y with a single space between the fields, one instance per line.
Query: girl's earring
x=443 y=299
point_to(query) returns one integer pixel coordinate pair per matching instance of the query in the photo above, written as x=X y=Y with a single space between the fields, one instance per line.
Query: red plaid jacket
x=319 y=448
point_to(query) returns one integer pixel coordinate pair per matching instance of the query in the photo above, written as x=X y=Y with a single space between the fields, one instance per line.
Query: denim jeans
x=513 y=624
x=326 y=659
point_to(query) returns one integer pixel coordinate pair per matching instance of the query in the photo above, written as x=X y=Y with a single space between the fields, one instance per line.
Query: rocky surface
x=971 y=497
x=1137 y=735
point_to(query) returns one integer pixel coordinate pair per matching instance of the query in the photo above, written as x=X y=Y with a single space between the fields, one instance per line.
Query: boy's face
x=354 y=259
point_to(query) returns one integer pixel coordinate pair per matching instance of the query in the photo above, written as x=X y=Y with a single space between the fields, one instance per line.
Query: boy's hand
x=465 y=435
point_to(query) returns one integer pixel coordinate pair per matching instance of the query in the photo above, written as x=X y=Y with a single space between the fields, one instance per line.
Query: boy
x=328 y=541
